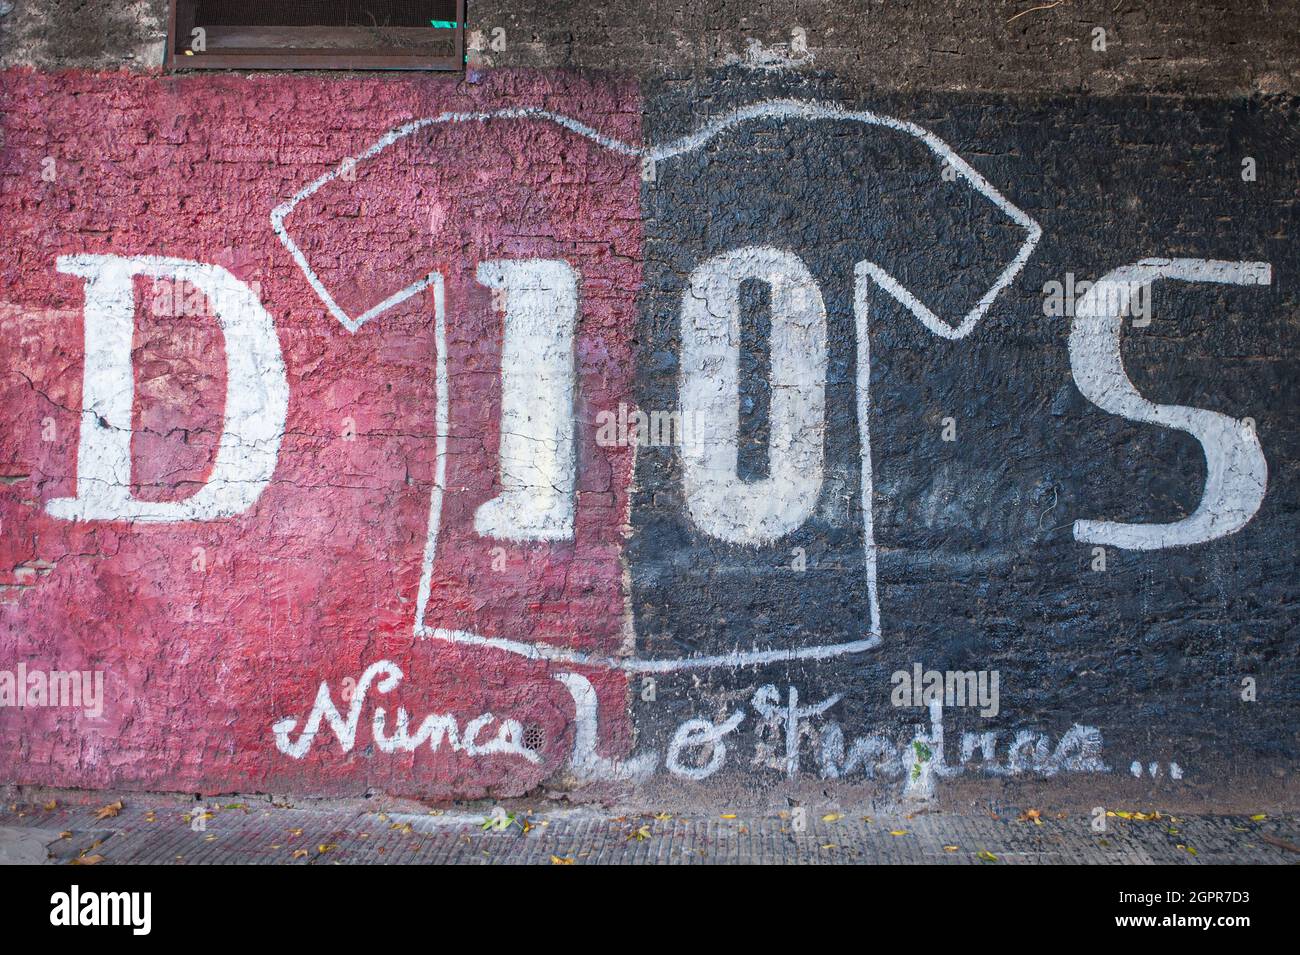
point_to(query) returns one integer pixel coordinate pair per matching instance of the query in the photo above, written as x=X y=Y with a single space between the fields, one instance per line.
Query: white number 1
x=536 y=457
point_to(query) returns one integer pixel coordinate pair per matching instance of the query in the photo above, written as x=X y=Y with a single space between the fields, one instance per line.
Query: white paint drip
x=925 y=763
x=778 y=56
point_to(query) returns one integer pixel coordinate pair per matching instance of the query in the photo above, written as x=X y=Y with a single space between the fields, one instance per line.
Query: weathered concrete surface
x=160 y=831
x=26 y=846
x=1207 y=47
x=64 y=34
x=1184 y=48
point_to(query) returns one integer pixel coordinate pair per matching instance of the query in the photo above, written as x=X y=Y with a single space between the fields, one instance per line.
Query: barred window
x=317 y=34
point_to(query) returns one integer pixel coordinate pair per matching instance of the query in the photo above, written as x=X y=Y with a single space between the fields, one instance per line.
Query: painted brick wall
x=394 y=529
x=209 y=632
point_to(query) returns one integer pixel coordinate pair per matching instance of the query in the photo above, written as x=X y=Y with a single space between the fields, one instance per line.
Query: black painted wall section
x=978 y=566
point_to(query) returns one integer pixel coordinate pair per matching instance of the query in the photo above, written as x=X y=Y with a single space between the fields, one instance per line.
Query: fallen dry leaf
x=109 y=811
x=562 y=860
x=87 y=860
x=833 y=817
x=52 y=805
x=300 y=853
x=985 y=856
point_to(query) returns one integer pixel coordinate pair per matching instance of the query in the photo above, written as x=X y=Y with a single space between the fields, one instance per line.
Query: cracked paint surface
x=210 y=632
x=314 y=643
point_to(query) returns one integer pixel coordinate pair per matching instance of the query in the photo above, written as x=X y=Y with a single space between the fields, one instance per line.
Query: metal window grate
x=535 y=738
x=317 y=34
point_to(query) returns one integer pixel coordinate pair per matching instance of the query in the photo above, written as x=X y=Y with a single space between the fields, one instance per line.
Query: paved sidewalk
x=158 y=831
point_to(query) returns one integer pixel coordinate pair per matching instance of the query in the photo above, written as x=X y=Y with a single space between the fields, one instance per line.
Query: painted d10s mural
x=456 y=438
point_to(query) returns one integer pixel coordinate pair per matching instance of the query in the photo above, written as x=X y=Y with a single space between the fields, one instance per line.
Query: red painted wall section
x=209 y=633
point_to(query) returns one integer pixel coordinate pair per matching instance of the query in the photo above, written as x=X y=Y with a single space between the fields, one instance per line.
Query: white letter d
x=257 y=394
